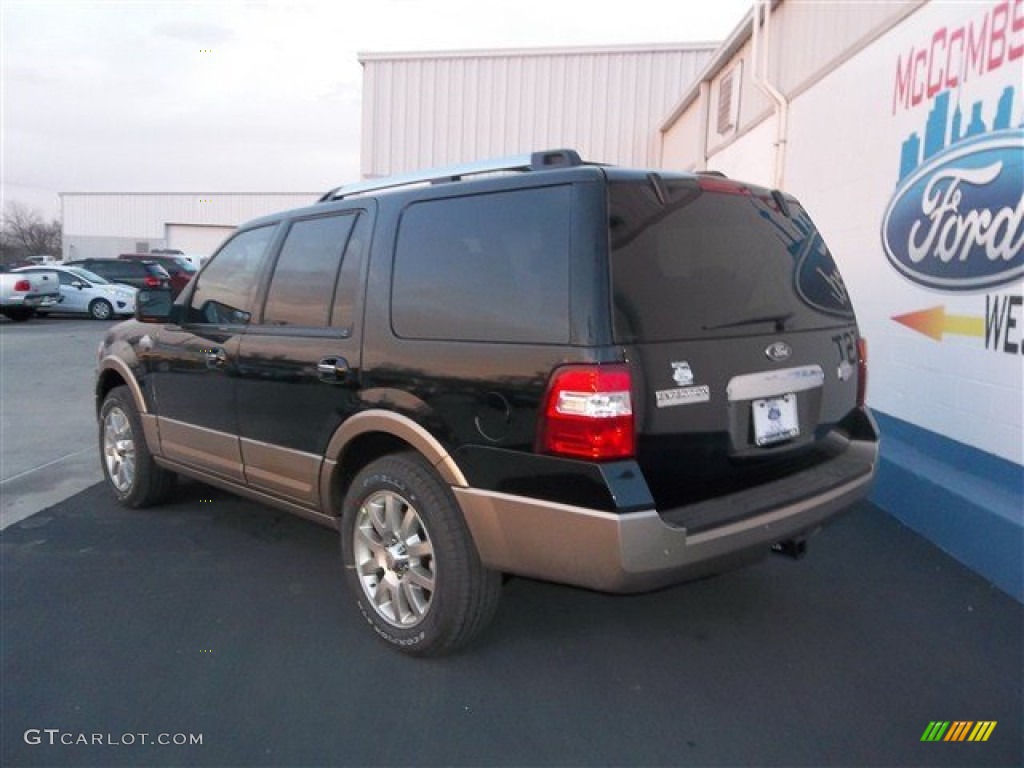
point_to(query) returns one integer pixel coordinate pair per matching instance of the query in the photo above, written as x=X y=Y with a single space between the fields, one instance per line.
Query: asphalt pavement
x=216 y=618
x=48 y=434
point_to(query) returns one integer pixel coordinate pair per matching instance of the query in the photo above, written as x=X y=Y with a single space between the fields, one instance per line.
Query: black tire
x=128 y=466
x=18 y=315
x=100 y=309
x=463 y=594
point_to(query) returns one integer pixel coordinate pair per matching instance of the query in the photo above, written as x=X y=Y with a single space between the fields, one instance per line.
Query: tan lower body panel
x=282 y=471
x=630 y=552
x=207 y=449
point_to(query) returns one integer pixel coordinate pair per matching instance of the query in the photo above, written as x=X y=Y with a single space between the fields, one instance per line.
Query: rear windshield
x=700 y=258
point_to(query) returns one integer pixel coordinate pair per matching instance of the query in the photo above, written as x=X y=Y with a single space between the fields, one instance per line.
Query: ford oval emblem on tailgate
x=778 y=351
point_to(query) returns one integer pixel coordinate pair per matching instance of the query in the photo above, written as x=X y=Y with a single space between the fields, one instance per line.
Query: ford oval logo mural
x=957 y=222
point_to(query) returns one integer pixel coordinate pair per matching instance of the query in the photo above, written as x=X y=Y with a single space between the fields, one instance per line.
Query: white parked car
x=85 y=292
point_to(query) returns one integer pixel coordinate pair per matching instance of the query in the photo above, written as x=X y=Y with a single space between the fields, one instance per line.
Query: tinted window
x=302 y=288
x=111 y=268
x=485 y=268
x=92 y=277
x=156 y=269
x=694 y=262
x=347 y=292
x=225 y=290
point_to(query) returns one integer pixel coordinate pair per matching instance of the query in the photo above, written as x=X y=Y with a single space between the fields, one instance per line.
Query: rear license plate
x=775 y=419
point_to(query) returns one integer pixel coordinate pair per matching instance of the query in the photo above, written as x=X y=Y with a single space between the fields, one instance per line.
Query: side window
x=347 y=293
x=66 y=278
x=302 y=288
x=224 y=292
x=485 y=268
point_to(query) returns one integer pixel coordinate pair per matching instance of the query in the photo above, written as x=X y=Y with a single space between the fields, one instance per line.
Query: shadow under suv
x=612 y=378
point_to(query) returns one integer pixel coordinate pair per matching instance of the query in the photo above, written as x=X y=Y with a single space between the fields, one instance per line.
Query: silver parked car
x=82 y=291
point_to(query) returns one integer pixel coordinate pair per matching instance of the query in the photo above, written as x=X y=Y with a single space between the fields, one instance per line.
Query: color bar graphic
x=958 y=730
x=982 y=730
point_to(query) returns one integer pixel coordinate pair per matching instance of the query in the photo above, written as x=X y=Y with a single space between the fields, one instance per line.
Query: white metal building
x=428 y=109
x=101 y=224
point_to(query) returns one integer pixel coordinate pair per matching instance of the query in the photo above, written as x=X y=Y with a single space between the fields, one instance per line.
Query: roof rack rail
x=719 y=174
x=536 y=161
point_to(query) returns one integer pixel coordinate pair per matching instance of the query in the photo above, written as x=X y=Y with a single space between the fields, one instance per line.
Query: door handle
x=332 y=369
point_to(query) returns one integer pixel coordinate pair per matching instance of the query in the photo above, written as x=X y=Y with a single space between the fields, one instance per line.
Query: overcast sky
x=229 y=96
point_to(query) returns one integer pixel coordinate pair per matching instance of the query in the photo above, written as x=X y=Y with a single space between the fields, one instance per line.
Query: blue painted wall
x=968 y=502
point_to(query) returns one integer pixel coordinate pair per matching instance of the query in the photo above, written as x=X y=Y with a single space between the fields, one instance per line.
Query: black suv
x=141 y=274
x=617 y=379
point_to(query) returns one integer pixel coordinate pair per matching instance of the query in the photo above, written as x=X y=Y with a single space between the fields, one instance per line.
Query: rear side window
x=302 y=288
x=491 y=267
x=115 y=269
x=154 y=269
x=700 y=259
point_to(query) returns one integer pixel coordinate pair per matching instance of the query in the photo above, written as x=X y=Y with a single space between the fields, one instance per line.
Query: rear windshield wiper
x=779 y=319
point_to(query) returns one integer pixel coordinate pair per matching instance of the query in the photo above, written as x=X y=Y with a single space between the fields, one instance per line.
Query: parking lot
x=217 y=617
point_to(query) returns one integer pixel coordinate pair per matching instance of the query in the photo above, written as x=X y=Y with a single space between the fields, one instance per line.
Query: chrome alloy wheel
x=119 y=449
x=394 y=559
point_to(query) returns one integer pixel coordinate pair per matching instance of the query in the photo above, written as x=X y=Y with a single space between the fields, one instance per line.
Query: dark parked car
x=179 y=268
x=141 y=274
x=612 y=378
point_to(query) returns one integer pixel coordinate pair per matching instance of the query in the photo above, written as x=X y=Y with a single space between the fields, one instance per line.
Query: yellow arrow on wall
x=935 y=323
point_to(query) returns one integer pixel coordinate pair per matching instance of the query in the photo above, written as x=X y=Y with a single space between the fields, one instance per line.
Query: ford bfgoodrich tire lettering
x=410 y=561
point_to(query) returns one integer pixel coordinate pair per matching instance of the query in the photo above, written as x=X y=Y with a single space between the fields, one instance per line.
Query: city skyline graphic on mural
x=943 y=130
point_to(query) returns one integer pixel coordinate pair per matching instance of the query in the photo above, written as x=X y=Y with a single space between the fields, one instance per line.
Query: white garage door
x=196 y=239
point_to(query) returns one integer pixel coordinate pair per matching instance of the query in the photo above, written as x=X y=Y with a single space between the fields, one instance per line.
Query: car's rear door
x=300 y=365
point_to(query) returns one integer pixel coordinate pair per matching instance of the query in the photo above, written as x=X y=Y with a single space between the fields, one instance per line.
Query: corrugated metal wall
x=825 y=32
x=807 y=40
x=144 y=215
x=423 y=110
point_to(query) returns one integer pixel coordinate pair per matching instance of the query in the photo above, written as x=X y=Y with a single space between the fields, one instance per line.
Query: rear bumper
x=30 y=300
x=639 y=551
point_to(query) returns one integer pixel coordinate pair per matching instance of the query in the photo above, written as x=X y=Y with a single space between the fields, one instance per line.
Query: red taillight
x=152 y=282
x=588 y=413
x=23 y=286
x=862 y=371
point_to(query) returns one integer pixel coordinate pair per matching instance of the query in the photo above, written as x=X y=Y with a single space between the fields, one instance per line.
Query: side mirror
x=154 y=306
x=78 y=284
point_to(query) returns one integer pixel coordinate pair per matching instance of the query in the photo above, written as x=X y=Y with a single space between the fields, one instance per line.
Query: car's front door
x=73 y=297
x=299 y=366
x=192 y=366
